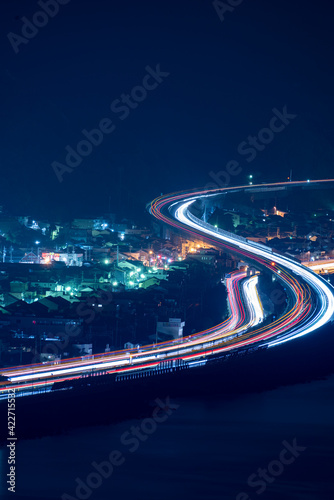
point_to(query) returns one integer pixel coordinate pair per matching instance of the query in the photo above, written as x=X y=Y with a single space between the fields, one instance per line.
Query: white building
x=173 y=328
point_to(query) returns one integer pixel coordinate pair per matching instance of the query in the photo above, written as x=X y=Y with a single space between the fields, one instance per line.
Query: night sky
x=224 y=79
x=221 y=81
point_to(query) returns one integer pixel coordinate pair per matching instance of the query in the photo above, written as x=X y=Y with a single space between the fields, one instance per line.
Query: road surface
x=311 y=305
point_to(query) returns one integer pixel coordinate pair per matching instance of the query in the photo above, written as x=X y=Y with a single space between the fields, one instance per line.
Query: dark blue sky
x=224 y=80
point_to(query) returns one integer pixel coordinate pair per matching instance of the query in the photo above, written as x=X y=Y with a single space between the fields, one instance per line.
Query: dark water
x=204 y=450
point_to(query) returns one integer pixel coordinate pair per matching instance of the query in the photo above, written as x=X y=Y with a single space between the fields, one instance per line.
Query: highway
x=311 y=304
x=321 y=266
x=241 y=290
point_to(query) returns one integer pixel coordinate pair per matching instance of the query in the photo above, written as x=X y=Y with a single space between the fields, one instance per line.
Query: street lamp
x=37 y=243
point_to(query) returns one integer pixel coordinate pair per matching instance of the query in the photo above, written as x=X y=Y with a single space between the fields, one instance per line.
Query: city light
x=217 y=266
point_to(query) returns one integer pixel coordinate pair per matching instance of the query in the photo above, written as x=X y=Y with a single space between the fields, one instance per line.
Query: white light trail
x=317 y=284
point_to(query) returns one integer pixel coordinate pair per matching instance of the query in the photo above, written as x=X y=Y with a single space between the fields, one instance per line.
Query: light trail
x=254 y=302
x=311 y=297
x=322 y=289
x=232 y=326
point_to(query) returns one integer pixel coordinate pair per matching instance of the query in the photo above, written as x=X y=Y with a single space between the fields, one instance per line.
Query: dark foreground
x=216 y=427
x=102 y=400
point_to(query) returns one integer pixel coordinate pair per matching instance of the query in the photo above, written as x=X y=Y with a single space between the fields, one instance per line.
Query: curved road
x=310 y=296
x=241 y=290
x=314 y=301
